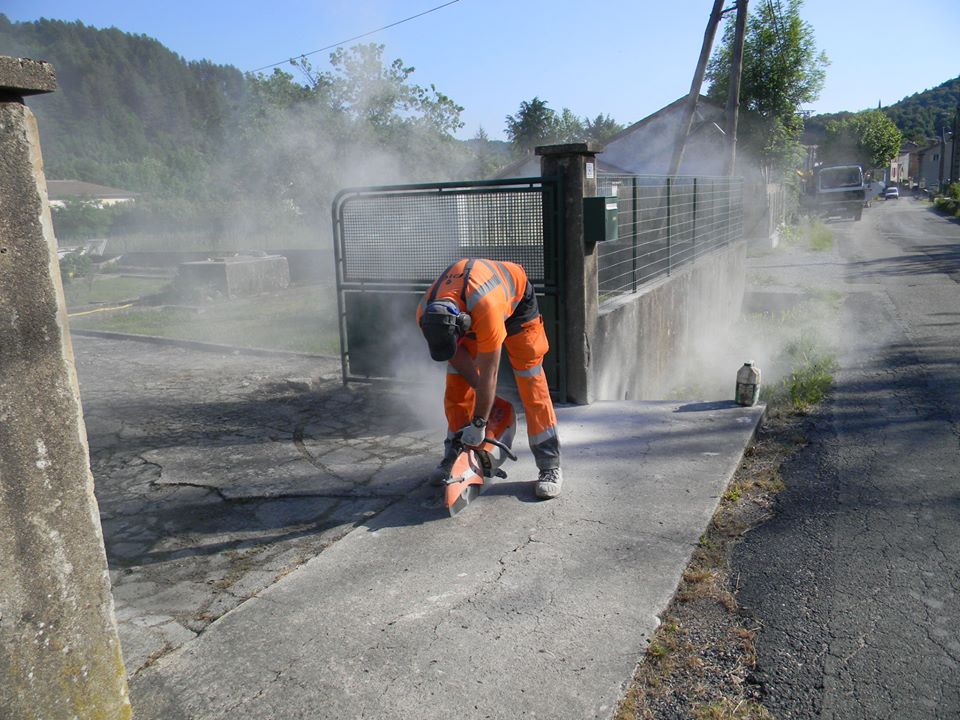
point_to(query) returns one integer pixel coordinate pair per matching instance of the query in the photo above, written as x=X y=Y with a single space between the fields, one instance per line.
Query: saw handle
x=492 y=441
x=495 y=442
x=503 y=447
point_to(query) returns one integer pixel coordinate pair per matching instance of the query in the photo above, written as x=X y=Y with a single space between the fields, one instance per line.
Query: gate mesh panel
x=412 y=237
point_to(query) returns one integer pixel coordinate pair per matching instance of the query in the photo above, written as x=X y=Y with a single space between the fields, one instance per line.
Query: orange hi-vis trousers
x=525 y=349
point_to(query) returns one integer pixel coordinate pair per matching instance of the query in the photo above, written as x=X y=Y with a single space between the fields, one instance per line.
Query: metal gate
x=392 y=242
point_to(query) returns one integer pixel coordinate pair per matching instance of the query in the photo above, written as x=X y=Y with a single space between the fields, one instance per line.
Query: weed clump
x=810 y=377
x=807 y=235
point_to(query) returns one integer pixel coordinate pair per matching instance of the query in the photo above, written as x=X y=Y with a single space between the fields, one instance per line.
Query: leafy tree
x=569 y=128
x=80 y=220
x=534 y=124
x=381 y=95
x=602 y=128
x=489 y=156
x=868 y=138
x=782 y=70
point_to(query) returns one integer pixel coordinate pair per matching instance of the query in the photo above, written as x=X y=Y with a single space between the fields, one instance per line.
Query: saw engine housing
x=474 y=467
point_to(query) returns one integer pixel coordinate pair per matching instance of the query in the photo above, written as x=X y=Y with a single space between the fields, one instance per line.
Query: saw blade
x=469 y=493
x=466 y=491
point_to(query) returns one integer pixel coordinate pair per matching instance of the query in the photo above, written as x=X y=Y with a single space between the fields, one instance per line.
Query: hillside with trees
x=919 y=117
x=924 y=114
x=128 y=112
x=214 y=151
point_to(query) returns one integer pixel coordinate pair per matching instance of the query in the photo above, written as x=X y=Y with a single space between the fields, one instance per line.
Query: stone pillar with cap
x=576 y=164
x=59 y=650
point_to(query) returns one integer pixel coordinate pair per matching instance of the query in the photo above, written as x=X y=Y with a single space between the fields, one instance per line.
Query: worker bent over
x=475 y=308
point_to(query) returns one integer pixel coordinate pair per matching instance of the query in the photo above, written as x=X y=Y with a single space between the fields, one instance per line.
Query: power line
x=356 y=37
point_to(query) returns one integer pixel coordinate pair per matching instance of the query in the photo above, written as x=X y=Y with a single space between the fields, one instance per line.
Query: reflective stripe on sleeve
x=478 y=294
x=511 y=288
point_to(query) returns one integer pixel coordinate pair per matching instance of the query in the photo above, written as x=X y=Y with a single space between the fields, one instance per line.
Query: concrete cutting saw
x=476 y=466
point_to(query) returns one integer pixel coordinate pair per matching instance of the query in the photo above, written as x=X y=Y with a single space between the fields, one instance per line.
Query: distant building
x=646 y=147
x=60 y=191
x=904 y=166
x=934 y=162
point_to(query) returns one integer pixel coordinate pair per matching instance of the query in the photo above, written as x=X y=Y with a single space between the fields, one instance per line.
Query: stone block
x=236 y=276
x=20 y=76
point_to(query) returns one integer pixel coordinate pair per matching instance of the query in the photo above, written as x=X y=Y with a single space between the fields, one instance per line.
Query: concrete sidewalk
x=515 y=608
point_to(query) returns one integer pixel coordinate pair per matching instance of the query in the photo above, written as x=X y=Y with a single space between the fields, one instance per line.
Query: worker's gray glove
x=473 y=435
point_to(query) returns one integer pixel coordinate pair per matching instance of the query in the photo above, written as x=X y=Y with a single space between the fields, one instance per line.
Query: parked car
x=891 y=193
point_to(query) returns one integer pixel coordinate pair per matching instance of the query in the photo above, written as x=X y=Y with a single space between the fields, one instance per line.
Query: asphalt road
x=855 y=581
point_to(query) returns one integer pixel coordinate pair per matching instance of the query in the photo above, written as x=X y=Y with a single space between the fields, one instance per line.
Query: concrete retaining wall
x=639 y=339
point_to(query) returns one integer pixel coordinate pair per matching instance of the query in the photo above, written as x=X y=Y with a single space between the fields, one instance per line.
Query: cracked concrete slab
x=515 y=608
x=280 y=468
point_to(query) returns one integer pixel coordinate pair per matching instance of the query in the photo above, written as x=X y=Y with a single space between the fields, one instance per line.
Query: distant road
x=856 y=581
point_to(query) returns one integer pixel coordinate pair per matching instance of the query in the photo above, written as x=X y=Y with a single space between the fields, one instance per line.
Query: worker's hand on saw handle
x=473 y=435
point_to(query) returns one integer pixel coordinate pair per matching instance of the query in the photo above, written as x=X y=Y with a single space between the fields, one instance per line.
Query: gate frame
x=551 y=190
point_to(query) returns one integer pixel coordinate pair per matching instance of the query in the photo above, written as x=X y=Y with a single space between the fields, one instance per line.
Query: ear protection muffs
x=445 y=312
x=464 y=321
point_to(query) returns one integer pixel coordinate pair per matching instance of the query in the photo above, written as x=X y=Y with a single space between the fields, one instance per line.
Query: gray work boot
x=441 y=473
x=549 y=482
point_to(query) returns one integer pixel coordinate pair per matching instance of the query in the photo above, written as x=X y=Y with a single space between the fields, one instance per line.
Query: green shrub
x=807 y=234
x=948 y=205
x=75 y=266
x=811 y=375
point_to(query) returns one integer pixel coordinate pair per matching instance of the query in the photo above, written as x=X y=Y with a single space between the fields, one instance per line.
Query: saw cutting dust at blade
x=476 y=466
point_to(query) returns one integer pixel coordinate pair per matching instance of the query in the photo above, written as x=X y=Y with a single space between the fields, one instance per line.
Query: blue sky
x=626 y=59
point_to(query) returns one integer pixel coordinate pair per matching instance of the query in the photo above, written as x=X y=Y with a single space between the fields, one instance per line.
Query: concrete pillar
x=576 y=165
x=59 y=651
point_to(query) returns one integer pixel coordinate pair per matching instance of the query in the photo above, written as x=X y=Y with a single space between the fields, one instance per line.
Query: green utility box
x=600 y=219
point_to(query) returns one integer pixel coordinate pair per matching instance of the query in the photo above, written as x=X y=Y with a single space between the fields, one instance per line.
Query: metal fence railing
x=664 y=223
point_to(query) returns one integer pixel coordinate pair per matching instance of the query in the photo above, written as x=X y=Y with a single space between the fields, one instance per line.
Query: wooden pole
x=733 y=96
x=691 y=105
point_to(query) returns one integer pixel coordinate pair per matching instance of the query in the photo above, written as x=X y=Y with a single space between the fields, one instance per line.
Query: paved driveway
x=218 y=473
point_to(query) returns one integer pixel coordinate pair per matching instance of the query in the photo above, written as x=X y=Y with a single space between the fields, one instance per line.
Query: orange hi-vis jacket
x=504 y=312
x=491 y=295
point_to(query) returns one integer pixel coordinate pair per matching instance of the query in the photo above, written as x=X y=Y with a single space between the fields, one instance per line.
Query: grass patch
x=726 y=709
x=807 y=235
x=831 y=298
x=107 y=289
x=758 y=279
x=302 y=319
x=810 y=377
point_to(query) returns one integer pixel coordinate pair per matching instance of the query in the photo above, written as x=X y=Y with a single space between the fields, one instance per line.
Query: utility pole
x=954 y=155
x=691 y=105
x=733 y=95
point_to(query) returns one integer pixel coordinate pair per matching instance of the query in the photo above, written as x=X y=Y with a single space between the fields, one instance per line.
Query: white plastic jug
x=748 y=384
